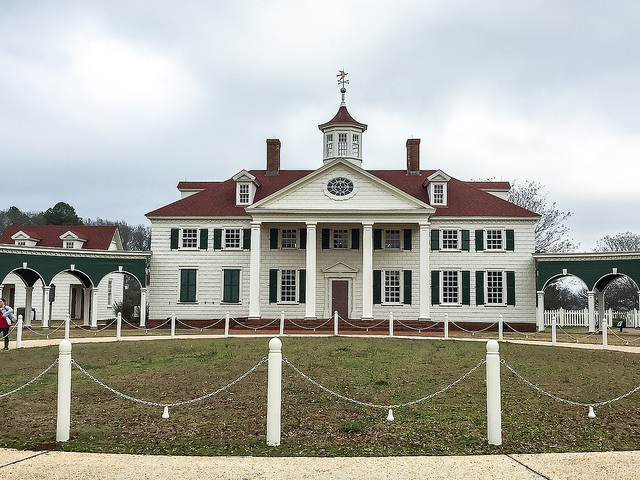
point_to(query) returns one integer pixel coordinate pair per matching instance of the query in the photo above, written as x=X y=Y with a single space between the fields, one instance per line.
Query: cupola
x=342 y=135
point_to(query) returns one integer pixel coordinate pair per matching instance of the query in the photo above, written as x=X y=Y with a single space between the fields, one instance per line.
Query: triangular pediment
x=20 y=235
x=438 y=176
x=340 y=186
x=340 y=268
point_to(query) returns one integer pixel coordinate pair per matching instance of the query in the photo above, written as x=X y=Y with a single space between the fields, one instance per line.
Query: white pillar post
x=143 y=307
x=335 y=323
x=19 y=332
x=553 y=330
x=254 y=271
x=28 y=307
x=282 y=323
x=64 y=392
x=67 y=323
x=540 y=311
x=494 y=400
x=94 y=307
x=425 y=277
x=367 y=271
x=173 y=326
x=274 y=392
x=86 y=311
x=500 y=328
x=119 y=327
x=45 y=307
x=591 y=306
x=446 y=326
x=604 y=324
x=561 y=315
x=600 y=308
x=227 y=319
x=310 y=265
x=391 y=324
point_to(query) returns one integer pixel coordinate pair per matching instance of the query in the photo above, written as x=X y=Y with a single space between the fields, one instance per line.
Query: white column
x=86 y=310
x=367 y=271
x=591 y=306
x=45 y=307
x=540 y=311
x=254 y=271
x=274 y=392
x=143 y=307
x=425 y=277
x=28 y=314
x=94 y=308
x=601 y=308
x=310 y=265
x=494 y=396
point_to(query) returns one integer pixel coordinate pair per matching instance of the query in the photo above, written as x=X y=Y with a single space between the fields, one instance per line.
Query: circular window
x=340 y=186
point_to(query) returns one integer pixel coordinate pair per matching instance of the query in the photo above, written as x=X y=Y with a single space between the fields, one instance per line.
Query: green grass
x=382 y=371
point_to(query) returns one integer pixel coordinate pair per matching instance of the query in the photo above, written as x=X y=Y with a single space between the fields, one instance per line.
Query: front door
x=340 y=297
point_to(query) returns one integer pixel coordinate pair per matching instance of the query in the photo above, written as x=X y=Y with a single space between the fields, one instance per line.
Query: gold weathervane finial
x=342 y=78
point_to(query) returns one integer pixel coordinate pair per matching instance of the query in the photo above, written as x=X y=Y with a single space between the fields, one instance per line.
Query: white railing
x=580 y=318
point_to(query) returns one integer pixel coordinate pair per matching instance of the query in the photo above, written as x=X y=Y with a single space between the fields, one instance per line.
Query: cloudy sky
x=107 y=105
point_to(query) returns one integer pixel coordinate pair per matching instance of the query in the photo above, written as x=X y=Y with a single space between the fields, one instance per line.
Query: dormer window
x=438 y=194
x=69 y=244
x=438 y=184
x=243 y=194
x=246 y=185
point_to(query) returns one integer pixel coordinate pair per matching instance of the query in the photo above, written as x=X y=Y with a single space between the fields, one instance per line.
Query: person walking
x=5 y=321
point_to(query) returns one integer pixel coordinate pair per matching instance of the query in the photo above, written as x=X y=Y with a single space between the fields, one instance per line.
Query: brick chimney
x=273 y=156
x=413 y=156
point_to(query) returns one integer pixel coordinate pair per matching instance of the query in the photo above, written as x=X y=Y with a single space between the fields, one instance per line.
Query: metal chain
x=255 y=328
x=310 y=328
x=28 y=327
x=374 y=405
x=473 y=331
x=201 y=328
x=526 y=334
x=564 y=400
x=175 y=404
x=361 y=327
x=30 y=381
x=414 y=328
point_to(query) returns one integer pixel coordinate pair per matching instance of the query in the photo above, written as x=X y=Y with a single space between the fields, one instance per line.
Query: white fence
x=580 y=318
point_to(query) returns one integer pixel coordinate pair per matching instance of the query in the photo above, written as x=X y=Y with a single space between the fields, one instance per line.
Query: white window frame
x=389 y=235
x=489 y=291
x=334 y=239
x=503 y=236
x=329 y=144
x=195 y=239
x=288 y=238
x=355 y=145
x=343 y=145
x=294 y=286
x=390 y=292
x=243 y=194
x=444 y=240
x=225 y=236
x=438 y=198
x=444 y=299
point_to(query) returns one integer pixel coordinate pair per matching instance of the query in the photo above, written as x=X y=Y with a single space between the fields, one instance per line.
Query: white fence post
x=446 y=326
x=553 y=330
x=494 y=401
x=19 y=333
x=274 y=392
x=335 y=323
x=64 y=391
x=500 y=328
x=282 y=323
x=226 y=325
x=391 y=324
x=67 y=322
x=119 y=327
x=173 y=326
x=605 y=343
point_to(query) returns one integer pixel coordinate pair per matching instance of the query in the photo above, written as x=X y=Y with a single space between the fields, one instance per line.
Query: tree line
x=133 y=237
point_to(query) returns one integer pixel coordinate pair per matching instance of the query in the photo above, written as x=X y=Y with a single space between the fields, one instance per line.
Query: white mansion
x=415 y=242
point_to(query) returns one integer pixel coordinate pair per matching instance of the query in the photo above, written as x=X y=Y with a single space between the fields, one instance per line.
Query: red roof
x=216 y=199
x=343 y=116
x=97 y=237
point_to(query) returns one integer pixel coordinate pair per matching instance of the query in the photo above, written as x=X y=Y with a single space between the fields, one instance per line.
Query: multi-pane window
x=450 y=239
x=233 y=238
x=495 y=288
x=189 y=238
x=21 y=243
x=392 y=239
x=329 y=144
x=243 y=194
x=188 y=285
x=342 y=144
x=438 y=194
x=355 y=145
x=231 y=286
x=341 y=239
x=69 y=244
x=288 y=286
x=392 y=286
x=450 y=287
x=494 y=240
x=289 y=238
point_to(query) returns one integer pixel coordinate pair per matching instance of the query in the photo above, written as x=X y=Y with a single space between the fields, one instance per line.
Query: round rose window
x=340 y=186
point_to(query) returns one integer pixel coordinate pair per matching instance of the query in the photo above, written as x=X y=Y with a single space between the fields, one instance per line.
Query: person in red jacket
x=5 y=321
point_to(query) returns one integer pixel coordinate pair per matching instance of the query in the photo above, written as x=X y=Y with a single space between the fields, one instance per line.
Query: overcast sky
x=107 y=105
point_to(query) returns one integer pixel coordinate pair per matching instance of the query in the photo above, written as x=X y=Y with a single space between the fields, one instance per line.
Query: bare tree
x=622 y=242
x=551 y=232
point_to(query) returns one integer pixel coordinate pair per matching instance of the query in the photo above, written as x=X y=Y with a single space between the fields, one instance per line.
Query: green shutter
x=217 y=238
x=377 y=287
x=466 y=287
x=273 y=239
x=407 y=287
x=303 y=238
x=204 y=239
x=511 y=288
x=273 y=285
x=326 y=233
x=188 y=285
x=377 y=239
x=302 y=287
x=465 y=240
x=407 y=239
x=175 y=232
x=511 y=240
x=231 y=293
x=435 y=240
x=246 y=238
x=435 y=287
x=355 y=239
x=479 y=240
x=479 y=288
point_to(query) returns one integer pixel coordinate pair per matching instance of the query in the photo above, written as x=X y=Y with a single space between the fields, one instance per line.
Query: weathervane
x=342 y=81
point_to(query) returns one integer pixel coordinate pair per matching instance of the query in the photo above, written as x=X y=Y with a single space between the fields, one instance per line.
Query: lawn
x=382 y=371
